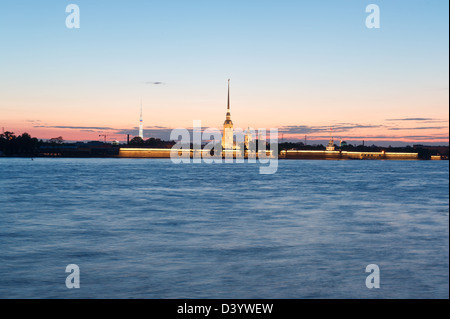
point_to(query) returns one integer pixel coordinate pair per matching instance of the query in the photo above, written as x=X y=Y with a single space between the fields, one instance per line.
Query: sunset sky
x=299 y=66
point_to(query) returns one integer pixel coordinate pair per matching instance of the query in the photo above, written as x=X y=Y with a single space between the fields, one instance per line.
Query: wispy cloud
x=153 y=131
x=305 y=129
x=36 y=122
x=417 y=119
x=380 y=137
x=81 y=128
x=348 y=131
x=352 y=131
x=417 y=128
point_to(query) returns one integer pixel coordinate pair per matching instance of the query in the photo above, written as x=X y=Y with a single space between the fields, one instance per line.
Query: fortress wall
x=165 y=153
x=144 y=152
x=381 y=155
x=291 y=154
x=402 y=156
x=310 y=155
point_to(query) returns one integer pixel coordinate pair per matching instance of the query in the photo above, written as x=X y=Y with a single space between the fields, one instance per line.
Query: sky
x=300 y=66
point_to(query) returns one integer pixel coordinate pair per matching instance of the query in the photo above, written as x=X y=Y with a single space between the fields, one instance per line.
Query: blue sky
x=313 y=61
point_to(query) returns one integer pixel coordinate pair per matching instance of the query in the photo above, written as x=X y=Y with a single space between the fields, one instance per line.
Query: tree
x=137 y=140
x=21 y=145
x=8 y=136
x=57 y=140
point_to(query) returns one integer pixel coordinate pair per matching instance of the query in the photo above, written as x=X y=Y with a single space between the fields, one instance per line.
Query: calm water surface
x=147 y=228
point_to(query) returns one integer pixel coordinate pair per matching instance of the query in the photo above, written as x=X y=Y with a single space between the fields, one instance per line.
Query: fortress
x=230 y=146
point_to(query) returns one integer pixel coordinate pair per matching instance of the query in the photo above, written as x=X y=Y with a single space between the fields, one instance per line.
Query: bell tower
x=227 y=137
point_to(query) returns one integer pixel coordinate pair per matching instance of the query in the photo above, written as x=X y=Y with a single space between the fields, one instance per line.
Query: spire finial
x=228 y=104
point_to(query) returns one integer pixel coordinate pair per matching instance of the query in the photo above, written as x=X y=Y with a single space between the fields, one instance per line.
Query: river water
x=148 y=228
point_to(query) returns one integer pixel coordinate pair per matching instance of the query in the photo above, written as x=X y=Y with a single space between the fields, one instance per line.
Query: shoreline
x=128 y=152
x=400 y=158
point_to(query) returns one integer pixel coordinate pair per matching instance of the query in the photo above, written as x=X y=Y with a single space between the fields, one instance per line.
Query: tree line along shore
x=27 y=146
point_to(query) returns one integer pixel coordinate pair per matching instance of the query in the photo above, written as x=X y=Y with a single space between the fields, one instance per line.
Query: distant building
x=330 y=146
x=248 y=138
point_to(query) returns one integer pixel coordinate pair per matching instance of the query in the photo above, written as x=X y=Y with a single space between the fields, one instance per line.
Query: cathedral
x=228 y=142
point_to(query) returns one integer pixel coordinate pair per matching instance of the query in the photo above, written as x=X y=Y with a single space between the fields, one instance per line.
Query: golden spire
x=228 y=104
x=228 y=119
